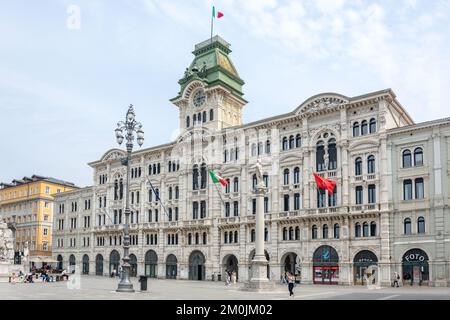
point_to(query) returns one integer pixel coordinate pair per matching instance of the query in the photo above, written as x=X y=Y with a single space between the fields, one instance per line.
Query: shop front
x=365 y=266
x=325 y=266
x=415 y=269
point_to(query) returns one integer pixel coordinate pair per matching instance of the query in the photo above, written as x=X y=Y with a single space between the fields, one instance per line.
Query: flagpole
x=158 y=197
x=212 y=24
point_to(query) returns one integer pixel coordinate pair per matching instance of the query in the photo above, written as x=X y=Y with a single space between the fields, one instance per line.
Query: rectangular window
x=253 y=206
x=359 y=194
x=45 y=231
x=47 y=190
x=372 y=194
x=286 y=202
x=297 y=201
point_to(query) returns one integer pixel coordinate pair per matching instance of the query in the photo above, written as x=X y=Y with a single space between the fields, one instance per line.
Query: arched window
x=406 y=159
x=204 y=237
x=418 y=186
x=407 y=226
x=170 y=193
x=325 y=231
x=227 y=209
x=236 y=184
x=199 y=117
x=227 y=187
x=268 y=146
x=321 y=198
x=371 y=164
x=260 y=148
x=254 y=181
x=266 y=180
x=336 y=231
x=286 y=177
x=371 y=194
x=195 y=177
x=357 y=230
x=297 y=233
x=365 y=229
x=203 y=176
x=358 y=166
x=253 y=235
x=291 y=142
x=298 y=140
x=407 y=190
x=204 y=116
x=236 y=237
x=356 y=129
x=188 y=122
x=418 y=157
x=253 y=149
x=332 y=154
x=211 y=115
x=230 y=237
x=291 y=233
x=372 y=125
x=296 y=201
x=421 y=225
x=225 y=156
x=373 y=229
x=314 y=232
x=194 y=119
x=364 y=127
x=285 y=143
x=177 y=192
x=320 y=153
x=190 y=238
x=296 y=175
x=266 y=234
x=225 y=237
x=286 y=202
x=197 y=238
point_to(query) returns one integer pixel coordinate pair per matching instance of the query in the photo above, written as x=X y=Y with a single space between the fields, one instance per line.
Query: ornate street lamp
x=128 y=127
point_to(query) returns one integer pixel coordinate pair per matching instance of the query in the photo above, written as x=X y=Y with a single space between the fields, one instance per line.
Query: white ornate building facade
x=389 y=212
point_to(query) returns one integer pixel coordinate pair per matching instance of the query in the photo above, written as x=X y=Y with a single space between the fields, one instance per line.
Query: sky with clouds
x=63 y=88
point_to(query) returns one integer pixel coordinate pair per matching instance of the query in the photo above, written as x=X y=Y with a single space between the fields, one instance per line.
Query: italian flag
x=219 y=14
x=216 y=178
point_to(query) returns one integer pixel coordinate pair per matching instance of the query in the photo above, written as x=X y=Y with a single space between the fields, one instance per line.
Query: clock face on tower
x=199 y=98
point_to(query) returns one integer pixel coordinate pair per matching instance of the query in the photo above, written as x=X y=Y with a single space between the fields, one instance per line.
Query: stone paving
x=103 y=288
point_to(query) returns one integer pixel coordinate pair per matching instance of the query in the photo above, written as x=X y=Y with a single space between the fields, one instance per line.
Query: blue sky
x=62 y=90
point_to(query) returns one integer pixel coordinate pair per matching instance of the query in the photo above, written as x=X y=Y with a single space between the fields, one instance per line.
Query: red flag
x=324 y=184
x=219 y=15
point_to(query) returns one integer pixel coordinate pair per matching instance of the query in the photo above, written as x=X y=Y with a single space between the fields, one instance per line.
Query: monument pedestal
x=259 y=281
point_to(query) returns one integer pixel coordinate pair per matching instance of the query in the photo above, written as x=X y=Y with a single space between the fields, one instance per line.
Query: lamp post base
x=125 y=287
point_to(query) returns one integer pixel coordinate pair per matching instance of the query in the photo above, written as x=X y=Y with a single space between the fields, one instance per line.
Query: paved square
x=102 y=288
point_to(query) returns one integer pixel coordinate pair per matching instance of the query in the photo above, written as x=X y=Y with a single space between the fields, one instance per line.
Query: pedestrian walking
x=291 y=282
x=396 y=279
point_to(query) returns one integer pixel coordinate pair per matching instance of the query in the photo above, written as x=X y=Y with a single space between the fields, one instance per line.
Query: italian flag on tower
x=216 y=178
x=213 y=17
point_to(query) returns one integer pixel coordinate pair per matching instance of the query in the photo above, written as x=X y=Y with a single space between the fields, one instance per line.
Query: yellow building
x=27 y=207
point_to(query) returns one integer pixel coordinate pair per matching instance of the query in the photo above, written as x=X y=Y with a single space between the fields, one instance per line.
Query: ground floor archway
x=99 y=265
x=365 y=266
x=114 y=262
x=133 y=266
x=171 y=267
x=290 y=262
x=72 y=263
x=197 y=266
x=59 y=264
x=325 y=265
x=230 y=264
x=85 y=268
x=415 y=268
x=151 y=264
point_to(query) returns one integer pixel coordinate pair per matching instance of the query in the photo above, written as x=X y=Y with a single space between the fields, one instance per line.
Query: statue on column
x=259 y=174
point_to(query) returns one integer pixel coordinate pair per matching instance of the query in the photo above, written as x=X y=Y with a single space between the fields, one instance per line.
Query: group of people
x=46 y=274
x=231 y=277
x=114 y=272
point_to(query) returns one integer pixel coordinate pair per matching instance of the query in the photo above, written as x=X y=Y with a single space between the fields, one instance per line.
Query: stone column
x=259 y=281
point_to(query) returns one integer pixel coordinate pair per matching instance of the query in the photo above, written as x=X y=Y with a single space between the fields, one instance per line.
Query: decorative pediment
x=322 y=102
x=113 y=154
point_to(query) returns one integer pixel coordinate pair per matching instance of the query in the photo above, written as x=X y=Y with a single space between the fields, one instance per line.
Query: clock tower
x=211 y=90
